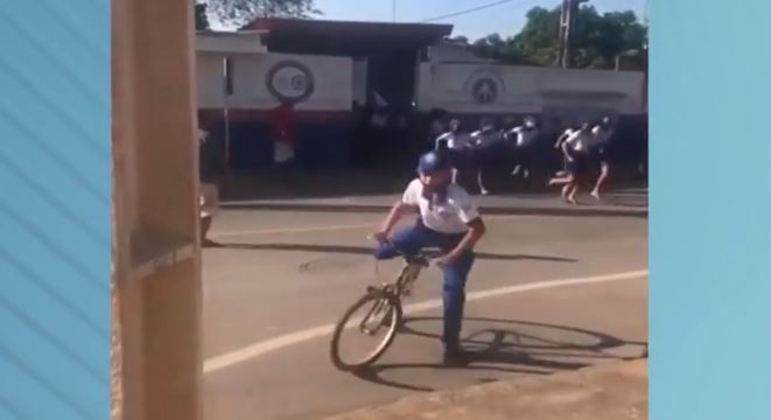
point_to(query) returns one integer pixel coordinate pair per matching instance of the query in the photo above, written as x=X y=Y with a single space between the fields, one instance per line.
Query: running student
x=558 y=146
x=574 y=149
x=484 y=141
x=448 y=220
x=523 y=137
x=456 y=143
x=601 y=135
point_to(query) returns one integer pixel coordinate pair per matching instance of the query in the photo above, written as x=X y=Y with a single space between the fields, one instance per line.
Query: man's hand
x=381 y=236
x=447 y=259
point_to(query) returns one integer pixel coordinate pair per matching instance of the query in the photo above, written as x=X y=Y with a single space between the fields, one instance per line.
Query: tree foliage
x=240 y=12
x=597 y=39
x=201 y=17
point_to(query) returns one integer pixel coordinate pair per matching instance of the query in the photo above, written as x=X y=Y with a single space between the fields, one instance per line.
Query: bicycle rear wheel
x=365 y=331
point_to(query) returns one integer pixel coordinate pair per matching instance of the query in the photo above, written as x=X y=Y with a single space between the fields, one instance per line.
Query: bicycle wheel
x=365 y=331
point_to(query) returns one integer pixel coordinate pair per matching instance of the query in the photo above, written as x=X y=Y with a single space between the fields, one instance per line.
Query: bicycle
x=385 y=300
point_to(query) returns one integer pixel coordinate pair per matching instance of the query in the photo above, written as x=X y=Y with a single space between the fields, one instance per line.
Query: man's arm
x=399 y=210
x=476 y=229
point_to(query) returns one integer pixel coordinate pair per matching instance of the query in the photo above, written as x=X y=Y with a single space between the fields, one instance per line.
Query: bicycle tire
x=394 y=304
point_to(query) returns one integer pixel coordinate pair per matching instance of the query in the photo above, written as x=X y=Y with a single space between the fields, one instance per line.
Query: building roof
x=343 y=37
x=230 y=42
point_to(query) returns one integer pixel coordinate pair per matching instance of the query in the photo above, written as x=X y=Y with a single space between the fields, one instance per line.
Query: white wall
x=209 y=73
x=230 y=42
x=529 y=89
x=333 y=81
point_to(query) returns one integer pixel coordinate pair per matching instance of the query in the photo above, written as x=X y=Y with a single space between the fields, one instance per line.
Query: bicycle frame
x=409 y=274
x=407 y=277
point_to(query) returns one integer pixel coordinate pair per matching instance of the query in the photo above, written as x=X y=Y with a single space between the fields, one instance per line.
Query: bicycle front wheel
x=365 y=331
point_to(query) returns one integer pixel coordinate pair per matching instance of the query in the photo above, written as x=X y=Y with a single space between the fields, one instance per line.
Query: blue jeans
x=413 y=239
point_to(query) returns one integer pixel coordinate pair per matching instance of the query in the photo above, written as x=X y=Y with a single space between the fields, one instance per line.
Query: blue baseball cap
x=433 y=162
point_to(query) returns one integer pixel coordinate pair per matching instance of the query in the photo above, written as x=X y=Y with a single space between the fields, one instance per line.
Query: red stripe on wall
x=212 y=116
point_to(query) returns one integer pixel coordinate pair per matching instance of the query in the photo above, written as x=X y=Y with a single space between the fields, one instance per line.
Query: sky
x=505 y=19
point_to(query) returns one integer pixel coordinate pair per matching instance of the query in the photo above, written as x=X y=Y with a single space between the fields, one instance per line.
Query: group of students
x=582 y=149
x=487 y=146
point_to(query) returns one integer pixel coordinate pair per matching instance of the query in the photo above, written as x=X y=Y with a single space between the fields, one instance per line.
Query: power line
x=472 y=10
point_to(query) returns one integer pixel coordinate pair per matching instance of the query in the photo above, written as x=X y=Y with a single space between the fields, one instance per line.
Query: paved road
x=284 y=273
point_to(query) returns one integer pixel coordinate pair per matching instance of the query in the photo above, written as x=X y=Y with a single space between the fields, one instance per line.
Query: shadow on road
x=340 y=249
x=519 y=347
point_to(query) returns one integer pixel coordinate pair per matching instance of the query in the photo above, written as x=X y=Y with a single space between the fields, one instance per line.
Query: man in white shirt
x=523 y=137
x=448 y=220
x=457 y=144
x=601 y=133
x=575 y=151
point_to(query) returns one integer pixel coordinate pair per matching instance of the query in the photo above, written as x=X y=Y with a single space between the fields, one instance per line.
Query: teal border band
x=55 y=209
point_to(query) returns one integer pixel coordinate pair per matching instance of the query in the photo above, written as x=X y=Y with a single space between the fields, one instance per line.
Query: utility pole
x=568 y=13
x=561 y=36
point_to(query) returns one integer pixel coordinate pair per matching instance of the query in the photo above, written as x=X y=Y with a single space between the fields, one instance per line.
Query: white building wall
x=522 y=89
x=332 y=80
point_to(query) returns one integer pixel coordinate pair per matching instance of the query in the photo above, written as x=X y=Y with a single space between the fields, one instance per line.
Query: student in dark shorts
x=485 y=154
x=575 y=150
x=455 y=144
x=601 y=135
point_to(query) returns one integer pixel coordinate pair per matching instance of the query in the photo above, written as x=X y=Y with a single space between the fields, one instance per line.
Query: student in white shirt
x=558 y=146
x=454 y=139
x=575 y=151
x=523 y=137
x=456 y=143
x=483 y=142
x=448 y=220
x=601 y=133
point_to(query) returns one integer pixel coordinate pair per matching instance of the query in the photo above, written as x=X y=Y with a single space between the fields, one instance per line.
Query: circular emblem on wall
x=290 y=81
x=485 y=86
x=485 y=90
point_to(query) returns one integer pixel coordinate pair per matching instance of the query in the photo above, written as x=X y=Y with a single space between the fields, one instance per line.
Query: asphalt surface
x=283 y=277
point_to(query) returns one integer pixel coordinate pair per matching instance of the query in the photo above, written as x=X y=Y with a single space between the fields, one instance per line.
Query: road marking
x=263 y=347
x=293 y=230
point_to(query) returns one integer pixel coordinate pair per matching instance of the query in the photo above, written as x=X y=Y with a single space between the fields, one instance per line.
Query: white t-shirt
x=483 y=139
x=601 y=135
x=454 y=140
x=451 y=216
x=523 y=137
x=578 y=140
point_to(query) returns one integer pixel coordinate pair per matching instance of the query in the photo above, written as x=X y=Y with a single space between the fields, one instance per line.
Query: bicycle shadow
x=522 y=347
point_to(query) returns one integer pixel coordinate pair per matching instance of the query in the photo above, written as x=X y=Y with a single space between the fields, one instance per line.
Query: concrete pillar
x=156 y=255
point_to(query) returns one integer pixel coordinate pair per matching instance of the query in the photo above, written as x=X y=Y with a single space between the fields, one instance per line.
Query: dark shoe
x=455 y=358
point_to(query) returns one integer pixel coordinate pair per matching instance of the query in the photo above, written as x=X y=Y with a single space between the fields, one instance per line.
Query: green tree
x=497 y=48
x=240 y=12
x=538 y=38
x=598 y=39
x=201 y=17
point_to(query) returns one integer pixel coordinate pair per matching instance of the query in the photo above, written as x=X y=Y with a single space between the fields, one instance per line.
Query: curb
x=491 y=210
